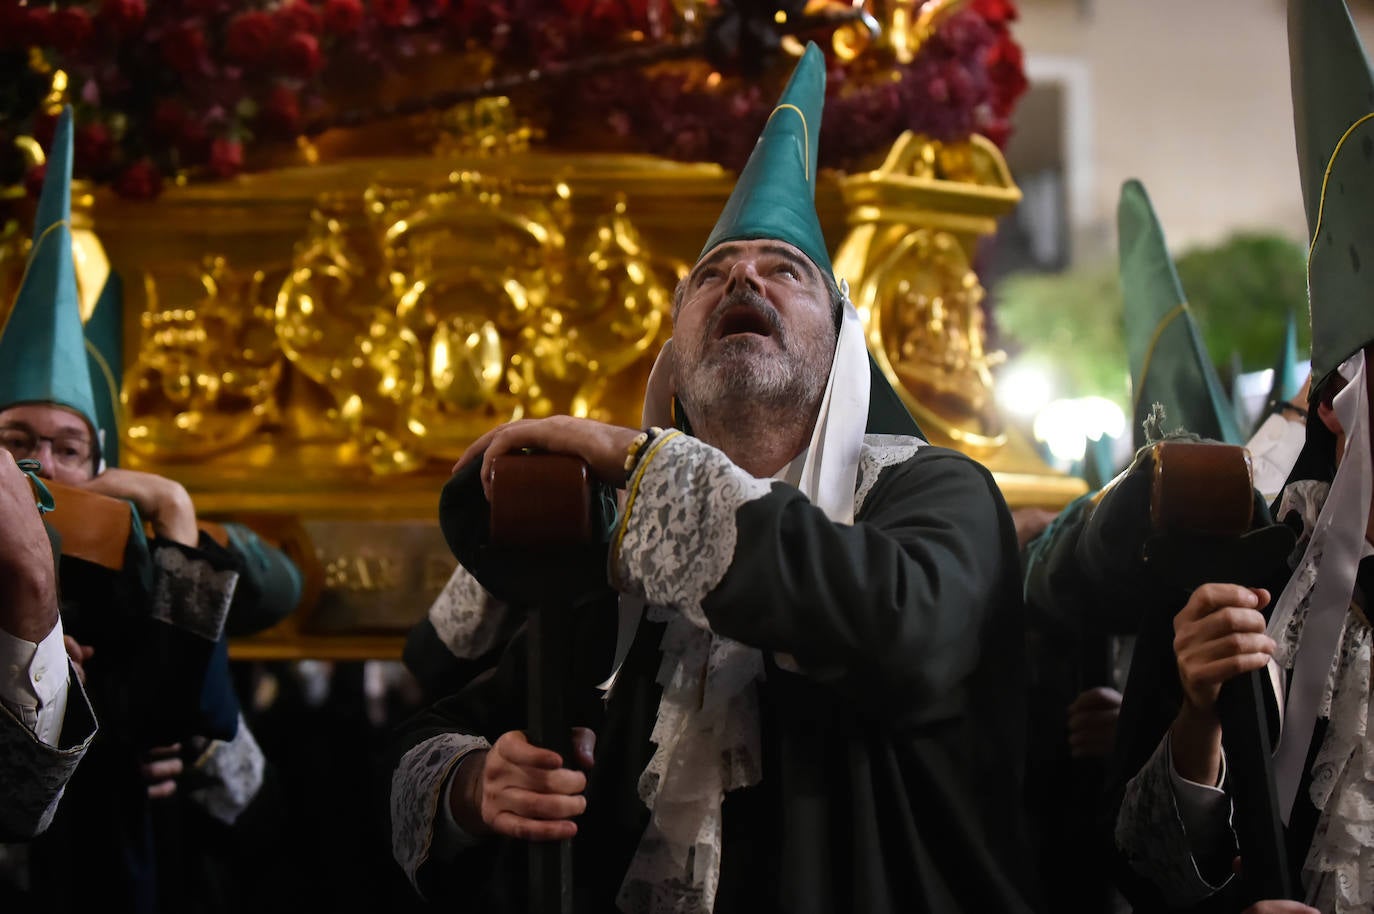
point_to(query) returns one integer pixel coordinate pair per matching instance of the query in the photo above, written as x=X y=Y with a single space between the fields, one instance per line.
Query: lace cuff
x=469 y=621
x=417 y=789
x=35 y=773
x=1151 y=832
x=677 y=535
x=234 y=773
x=190 y=593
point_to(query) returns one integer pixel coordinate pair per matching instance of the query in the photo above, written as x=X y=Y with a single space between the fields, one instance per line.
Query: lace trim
x=235 y=771
x=677 y=542
x=1305 y=498
x=469 y=620
x=880 y=452
x=678 y=535
x=190 y=594
x=1339 y=870
x=416 y=789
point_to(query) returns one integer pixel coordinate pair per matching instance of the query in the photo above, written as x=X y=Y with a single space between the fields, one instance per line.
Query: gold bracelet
x=637 y=447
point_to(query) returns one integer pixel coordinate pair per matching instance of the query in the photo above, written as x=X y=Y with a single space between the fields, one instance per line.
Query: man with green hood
x=158 y=678
x=819 y=617
x=1314 y=638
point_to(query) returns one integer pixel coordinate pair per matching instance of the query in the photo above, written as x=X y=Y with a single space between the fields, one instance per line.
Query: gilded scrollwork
x=407 y=322
x=909 y=253
x=206 y=373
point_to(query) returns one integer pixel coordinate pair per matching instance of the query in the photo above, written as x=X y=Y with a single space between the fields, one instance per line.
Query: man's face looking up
x=754 y=321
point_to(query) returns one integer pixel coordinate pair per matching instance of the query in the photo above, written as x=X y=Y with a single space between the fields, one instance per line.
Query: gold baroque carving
x=410 y=321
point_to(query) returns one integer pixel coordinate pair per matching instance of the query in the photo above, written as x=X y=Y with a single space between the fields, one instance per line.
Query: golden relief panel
x=405 y=324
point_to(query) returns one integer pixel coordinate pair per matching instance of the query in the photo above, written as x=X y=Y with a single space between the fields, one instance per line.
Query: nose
x=45 y=460
x=743 y=274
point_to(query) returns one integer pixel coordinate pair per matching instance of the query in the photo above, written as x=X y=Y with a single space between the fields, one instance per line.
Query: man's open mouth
x=743 y=319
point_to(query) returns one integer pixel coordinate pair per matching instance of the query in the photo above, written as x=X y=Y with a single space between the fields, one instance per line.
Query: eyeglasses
x=67 y=450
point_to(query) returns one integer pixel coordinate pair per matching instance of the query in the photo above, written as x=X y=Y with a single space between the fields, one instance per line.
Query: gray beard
x=778 y=389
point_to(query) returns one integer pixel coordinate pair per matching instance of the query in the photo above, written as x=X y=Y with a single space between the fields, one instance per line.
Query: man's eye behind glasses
x=69 y=452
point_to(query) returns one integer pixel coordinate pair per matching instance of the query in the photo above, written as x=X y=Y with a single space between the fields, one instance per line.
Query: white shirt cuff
x=34 y=680
x=1205 y=810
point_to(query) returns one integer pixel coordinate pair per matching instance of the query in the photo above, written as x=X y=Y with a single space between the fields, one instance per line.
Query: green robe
x=891 y=766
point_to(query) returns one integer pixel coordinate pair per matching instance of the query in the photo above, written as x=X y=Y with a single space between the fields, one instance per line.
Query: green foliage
x=1070 y=324
x=1241 y=292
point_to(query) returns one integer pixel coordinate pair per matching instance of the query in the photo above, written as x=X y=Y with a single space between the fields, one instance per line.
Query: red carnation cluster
x=188 y=84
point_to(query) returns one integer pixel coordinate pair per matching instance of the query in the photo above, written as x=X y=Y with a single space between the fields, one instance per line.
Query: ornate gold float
x=312 y=346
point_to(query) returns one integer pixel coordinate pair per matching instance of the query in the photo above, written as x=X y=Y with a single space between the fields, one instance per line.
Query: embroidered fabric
x=1339 y=870
x=190 y=594
x=880 y=452
x=35 y=773
x=1150 y=832
x=673 y=552
x=1304 y=498
x=233 y=772
x=469 y=620
x=416 y=787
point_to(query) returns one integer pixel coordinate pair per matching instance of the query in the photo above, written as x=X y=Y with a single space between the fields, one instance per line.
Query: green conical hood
x=1287 y=382
x=1340 y=292
x=1333 y=87
x=775 y=195
x=105 y=355
x=41 y=346
x=1169 y=363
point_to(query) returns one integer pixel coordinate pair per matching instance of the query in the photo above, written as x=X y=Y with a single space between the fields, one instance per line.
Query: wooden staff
x=541 y=508
x=1202 y=506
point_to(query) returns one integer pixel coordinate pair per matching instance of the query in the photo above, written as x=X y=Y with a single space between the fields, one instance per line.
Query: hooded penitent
x=1169 y=362
x=683 y=788
x=41 y=344
x=1333 y=112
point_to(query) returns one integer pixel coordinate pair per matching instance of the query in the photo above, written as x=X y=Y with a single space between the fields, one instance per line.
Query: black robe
x=891 y=772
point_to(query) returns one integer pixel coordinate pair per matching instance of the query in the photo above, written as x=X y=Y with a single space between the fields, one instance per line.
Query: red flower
x=183 y=49
x=1006 y=68
x=93 y=145
x=391 y=12
x=124 y=15
x=71 y=28
x=140 y=181
x=226 y=157
x=343 y=17
x=300 y=16
x=300 y=55
x=281 y=112
x=250 y=37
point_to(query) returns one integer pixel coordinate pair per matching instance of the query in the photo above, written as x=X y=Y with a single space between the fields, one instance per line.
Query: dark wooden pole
x=540 y=522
